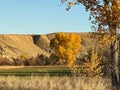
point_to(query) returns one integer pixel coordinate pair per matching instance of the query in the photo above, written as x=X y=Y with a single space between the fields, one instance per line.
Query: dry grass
x=10 y=67
x=17 y=44
x=53 y=83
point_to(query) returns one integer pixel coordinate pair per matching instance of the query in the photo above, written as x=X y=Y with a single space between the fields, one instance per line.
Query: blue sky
x=41 y=17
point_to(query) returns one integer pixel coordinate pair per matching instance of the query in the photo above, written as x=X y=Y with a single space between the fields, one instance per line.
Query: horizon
x=37 y=33
x=41 y=17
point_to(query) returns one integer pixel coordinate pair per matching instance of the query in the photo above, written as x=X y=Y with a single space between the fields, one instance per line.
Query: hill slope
x=15 y=45
x=18 y=44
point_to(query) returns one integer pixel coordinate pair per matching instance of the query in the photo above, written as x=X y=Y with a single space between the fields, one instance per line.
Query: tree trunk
x=115 y=69
x=116 y=58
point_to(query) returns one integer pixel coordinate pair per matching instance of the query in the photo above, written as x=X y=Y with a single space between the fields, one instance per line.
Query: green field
x=36 y=71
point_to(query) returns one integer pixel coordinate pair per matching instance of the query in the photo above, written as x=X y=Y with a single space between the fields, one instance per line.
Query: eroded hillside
x=14 y=45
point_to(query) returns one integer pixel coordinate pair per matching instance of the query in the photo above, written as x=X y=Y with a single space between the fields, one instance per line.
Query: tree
x=92 y=66
x=66 y=46
x=105 y=17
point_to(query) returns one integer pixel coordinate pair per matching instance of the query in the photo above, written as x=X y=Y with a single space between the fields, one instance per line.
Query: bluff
x=14 y=45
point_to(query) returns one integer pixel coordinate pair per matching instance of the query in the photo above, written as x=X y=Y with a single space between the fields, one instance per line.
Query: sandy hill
x=16 y=45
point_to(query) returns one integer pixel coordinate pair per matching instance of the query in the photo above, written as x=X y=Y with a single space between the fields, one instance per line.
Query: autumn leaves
x=66 y=47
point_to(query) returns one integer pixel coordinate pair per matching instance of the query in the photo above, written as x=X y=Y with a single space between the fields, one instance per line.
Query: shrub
x=21 y=60
x=39 y=60
x=5 y=61
x=53 y=59
x=90 y=65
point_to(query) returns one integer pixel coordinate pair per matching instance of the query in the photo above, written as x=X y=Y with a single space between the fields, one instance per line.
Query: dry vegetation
x=53 y=83
x=10 y=67
x=15 y=45
x=30 y=46
x=18 y=45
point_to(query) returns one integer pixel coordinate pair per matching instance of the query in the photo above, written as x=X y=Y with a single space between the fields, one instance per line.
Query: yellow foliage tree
x=66 y=46
x=92 y=66
x=105 y=17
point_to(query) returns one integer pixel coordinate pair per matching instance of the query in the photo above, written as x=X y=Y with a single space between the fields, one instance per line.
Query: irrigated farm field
x=34 y=71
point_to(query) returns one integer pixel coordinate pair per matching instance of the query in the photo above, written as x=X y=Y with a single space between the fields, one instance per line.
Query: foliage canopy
x=66 y=46
x=104 y=15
